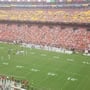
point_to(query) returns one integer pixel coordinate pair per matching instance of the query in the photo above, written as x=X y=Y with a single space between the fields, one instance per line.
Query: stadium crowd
x=57 y=15
x=69 y=37
x=10 y=83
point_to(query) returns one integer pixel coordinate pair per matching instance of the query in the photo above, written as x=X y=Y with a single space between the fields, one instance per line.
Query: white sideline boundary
x=49 y=48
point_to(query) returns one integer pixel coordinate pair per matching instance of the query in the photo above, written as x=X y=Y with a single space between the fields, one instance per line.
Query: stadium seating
x=58 y=36
x=56 y=15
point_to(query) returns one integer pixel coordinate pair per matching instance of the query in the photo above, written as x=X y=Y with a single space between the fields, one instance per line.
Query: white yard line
x=19 y=66
x=43 y=55
x=70 y=60
x=51 y=74
x=5 y=63
x=85 y=62
x=55 y=57
x=35 y=70
x=32 y=53
x=72 y=79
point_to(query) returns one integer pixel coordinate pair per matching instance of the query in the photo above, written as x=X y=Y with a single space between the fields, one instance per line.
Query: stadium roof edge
x=43 y=5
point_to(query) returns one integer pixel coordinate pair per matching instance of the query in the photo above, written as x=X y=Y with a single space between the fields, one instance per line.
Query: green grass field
x=46 y=70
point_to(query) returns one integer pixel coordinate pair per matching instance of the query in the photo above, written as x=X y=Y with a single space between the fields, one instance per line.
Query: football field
x=45 y=70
